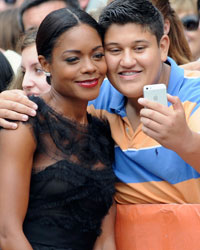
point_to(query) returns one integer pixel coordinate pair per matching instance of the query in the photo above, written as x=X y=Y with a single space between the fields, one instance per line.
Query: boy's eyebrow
x=111 y=43
x=78 y=51
x=136 y=41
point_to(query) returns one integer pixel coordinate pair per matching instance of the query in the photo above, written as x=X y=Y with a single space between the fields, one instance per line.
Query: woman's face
x=34 y=80
x=78 y=65
x=192 y=36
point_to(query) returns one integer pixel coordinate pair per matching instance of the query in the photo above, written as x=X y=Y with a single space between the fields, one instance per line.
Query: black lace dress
x=72 y=183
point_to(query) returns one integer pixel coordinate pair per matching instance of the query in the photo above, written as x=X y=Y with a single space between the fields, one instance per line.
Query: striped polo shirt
x=148 y=172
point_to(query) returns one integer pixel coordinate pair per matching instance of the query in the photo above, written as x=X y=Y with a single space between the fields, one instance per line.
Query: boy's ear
x=44 y=63
x=164 y=47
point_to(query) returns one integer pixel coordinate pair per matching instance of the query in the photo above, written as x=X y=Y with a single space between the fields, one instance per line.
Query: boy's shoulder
x=109 y=98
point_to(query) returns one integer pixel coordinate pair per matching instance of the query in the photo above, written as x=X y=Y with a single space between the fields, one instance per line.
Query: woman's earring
x=48 y=77
x=47 y=74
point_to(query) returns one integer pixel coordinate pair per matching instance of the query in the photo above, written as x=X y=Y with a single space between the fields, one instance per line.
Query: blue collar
x=176 y=77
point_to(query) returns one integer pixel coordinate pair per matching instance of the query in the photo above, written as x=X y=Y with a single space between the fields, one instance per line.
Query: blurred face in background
x=7 y=4
x=192 y=32
x=33 y=16
x=34 y=80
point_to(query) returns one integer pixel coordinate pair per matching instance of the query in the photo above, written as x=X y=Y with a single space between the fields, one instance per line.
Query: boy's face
x=134 y=58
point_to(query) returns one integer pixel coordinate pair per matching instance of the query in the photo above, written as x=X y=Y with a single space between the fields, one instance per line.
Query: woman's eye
x=72 y=59
x=98 y=55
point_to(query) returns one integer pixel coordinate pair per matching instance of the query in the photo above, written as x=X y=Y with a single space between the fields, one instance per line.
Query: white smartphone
x=156 y=93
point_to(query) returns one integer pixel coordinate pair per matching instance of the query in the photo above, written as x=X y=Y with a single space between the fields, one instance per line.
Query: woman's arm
x=106 y=241
x=16 y=155
x=14 y=105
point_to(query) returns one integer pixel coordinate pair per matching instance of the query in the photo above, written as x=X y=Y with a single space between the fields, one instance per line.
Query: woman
x=30 y=77
x=188 y=14
x=57 y=183
x=179 y=49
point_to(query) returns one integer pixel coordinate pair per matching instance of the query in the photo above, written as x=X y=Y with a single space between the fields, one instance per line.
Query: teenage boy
x=157 y=148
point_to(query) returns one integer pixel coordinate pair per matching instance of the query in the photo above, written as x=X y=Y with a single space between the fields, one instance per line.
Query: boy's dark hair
x=140 y=12
x=27 y=4
x=58 y=22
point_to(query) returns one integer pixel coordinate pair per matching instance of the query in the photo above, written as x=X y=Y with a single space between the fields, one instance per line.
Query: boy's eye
x=114 y=51
x=139 y=48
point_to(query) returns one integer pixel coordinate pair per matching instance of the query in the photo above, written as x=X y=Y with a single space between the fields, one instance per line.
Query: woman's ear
x=44 y=63
x=166 y=26
x=164 y=47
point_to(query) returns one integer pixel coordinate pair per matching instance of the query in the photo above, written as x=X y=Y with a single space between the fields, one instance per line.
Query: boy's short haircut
x=27 y=4
x=140 y=12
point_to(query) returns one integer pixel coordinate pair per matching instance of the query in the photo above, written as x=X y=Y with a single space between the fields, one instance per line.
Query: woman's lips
x=88 y=83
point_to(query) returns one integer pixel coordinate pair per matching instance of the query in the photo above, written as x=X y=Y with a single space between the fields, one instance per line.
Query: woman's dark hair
x=58 y=22
x=6 y=72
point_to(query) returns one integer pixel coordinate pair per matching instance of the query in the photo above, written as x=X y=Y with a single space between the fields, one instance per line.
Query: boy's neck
x=133 y=112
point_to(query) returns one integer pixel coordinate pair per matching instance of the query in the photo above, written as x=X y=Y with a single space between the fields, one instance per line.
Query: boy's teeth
x=128 y=73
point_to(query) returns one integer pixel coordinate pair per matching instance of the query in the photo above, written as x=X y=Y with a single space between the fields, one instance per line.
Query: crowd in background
x=151 y=164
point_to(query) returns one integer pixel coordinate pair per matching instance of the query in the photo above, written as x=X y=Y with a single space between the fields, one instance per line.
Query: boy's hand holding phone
x=166 y=125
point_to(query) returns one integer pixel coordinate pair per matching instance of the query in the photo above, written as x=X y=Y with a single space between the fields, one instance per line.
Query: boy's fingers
x=15 y=96
x=7 y=125
x=9 y=109
x=12 y=115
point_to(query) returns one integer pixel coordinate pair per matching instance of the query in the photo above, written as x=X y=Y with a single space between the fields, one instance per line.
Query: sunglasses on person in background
x=10 y=1
x=190 y=23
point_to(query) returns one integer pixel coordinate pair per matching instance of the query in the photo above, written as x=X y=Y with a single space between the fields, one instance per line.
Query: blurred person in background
x=6 y=72
x=8 y=4
x=31 y=78
x=187 y=12
x=10 y=31
x=34 y=78
x=179 y=49
x=32 y=12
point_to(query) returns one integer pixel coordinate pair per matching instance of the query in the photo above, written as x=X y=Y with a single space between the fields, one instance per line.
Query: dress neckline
x=63 y=117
